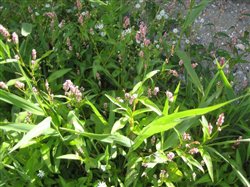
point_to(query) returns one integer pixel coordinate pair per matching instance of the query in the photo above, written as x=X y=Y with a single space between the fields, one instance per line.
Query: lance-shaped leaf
x=20 y=102
x=34 y=132
x=167 y=122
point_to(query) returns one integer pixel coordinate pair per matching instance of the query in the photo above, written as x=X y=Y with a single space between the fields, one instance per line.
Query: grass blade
x=191 y=72
x=20 y=102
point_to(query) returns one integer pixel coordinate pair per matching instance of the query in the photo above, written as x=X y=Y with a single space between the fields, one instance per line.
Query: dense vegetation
x=114 y=93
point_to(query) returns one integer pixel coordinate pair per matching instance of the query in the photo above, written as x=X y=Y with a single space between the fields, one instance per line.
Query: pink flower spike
x=15 y=39
x=194 y=151
x=33 y=54
x=126 y=22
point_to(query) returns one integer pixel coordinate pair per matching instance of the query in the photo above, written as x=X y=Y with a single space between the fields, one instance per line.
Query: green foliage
x=94 y=93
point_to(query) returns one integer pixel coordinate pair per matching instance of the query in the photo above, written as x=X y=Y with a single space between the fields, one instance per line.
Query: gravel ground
x=230 y=17
x=223 y=23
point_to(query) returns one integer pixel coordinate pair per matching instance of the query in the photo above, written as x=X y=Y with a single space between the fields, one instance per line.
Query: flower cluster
x=141 y=35
x=19 y=85
x=15 y=39
x=130 y=97
x=170 y=96
x=3 y=85
x=72 y=90
x=162 y=15
x=4 y=32
x=220 y=121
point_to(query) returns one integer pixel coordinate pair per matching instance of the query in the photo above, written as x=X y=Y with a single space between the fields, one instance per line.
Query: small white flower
x=103 y=34
x=175 y=30
x=140 y=1
x=165 y=16
x=101 y=184
x=99 y=26
x=157 y=46
x=37 y=14
x=162 y=12
x=202 y=20
x=40 y=173
x=137 y=6
x=158 y=17
x=47 y=5
x=84 y=13
x=187 y=41
x=103 y=167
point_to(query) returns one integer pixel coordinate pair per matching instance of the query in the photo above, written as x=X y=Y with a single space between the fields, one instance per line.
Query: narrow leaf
x=34 y=132
x=191 y=72
x=20 y=102
x=57 y=74
x=167 y=122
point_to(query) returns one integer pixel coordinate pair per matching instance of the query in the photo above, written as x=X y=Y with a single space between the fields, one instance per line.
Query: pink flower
x=156 y=90
x=143 y=30
x=4 y=31
x=72 y=90
x=174 y=73
x=138 y=37
x=3 y=85
x=141 y=54
x=170 y=96
x=33 y=54
x=126 y=22
x=181 y=62
x=146 y=42
x=210 y=128
x=194 y=150
x=170 y=156
x=194 y=65
x=19 y=85
x=15 y=38
x=78 y=4
x=222 y=61
x=80 y=19
x=220 y=121
x=186 y=136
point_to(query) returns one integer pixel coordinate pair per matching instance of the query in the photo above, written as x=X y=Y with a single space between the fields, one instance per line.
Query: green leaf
x=26 y=29
x=8 y=61
x=175 y=174
x=13 y=81
x=208 y=161
x=139 y=84
x=34 y=132
x=191 y=72
x=205 y=129
x=97 y=113
x=167 y=122
x=194 y=13
x=22 y=127
x=98 y=2
x=119 y=124
x=44 y=55
x=57 y=74
x=20 y=102
x=70 y=157
x=72 y=118
x=148 y=103
x=107 y=138
x=228 y=87
x=243 y=179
